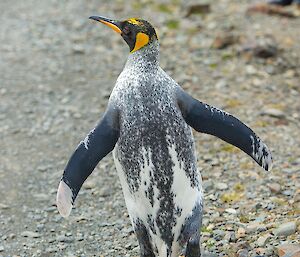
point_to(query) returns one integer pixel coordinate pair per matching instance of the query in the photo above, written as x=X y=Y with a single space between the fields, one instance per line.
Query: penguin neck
x=146 y=58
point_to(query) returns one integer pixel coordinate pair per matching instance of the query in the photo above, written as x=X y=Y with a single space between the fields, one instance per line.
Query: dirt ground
x=57 y=69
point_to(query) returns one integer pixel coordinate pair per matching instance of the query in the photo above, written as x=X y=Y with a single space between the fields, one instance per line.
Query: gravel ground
x=57 y=70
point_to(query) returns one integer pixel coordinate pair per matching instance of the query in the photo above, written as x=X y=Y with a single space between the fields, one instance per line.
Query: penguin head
x=136 y=32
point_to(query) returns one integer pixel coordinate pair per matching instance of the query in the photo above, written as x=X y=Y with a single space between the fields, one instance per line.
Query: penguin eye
x=126 y=30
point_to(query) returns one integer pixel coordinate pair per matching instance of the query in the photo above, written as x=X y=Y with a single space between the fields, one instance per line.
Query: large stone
x=275 y=113
x=274 y=187
x=290 y=250
x=285 y=229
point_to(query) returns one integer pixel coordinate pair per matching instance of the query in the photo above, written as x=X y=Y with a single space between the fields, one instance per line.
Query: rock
x=51 y=250
x=253 y=227
x=265 y=51
x=288 y=192
x=289 y=74
x=197 y=9
x=270 y=206
x=225 y=40
x=89 y=184
x=81 y=218
x=241 y=232
x=251 y=70
x=274 y=187
x=270 y=10
x=63 y=238
x=218 y=234
x=104 y=191
x=275 y=113
x=41 y=197
x=51 y=209
x=43 y=168
x=289 y=250
x=285 y=229
x=79 y=237
x=221 y=84
x=11 y=236
x=270 y=69
x=291 y=170
x=208 y=254
x=262 y=47
x=262 y=240
x=230 y=236
x=30 y=234
x=221 y=186
x=297 y=196
x=78 y=49
x=231 y=211
x=4 y=206
x=1 y=248
x=242 y=253
x=207 y=185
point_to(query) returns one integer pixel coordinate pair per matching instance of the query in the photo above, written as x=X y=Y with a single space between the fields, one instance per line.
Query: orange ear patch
x=141 y=40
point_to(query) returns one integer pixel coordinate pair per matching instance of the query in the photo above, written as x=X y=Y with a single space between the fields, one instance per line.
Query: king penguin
x=147 y=125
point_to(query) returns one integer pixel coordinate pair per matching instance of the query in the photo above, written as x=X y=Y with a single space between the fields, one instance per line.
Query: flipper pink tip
x=64 y=199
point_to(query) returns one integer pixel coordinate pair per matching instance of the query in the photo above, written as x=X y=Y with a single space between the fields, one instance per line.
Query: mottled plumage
x=148 y=124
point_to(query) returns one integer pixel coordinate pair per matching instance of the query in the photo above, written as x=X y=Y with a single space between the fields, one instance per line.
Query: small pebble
x=262 y=240
x=241 y=232
x=221 y=186
x=30 y=234
x=231 y=211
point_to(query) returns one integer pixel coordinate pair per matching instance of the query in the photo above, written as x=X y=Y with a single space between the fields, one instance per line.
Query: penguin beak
x=115 y=25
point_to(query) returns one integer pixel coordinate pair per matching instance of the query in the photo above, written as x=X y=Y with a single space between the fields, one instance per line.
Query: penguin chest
x=156 y=164
x=161 y=187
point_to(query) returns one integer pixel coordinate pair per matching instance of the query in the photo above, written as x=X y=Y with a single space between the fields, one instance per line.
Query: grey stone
x=262 y=240
x=285 y=229
x=30 y=234
x=274 y=187
x=63 y=238
x=242 y=253
x=273 y=113
x=4 y=206
x=230 y=236
x=207 y=185
x=78 y=49
x=51 y=250
x=221 y=186
x=218 y=234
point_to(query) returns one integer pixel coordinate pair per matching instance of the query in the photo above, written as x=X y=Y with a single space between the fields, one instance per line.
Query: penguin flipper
x=210 y=120
x=97 y=144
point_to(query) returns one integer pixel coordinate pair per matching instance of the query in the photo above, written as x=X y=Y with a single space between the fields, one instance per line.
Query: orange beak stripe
x=112 y=26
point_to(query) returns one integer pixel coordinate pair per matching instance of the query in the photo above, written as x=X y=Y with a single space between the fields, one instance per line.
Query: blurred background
x=57 y=69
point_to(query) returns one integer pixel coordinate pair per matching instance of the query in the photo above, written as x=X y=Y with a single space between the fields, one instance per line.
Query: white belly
x=139 y=205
